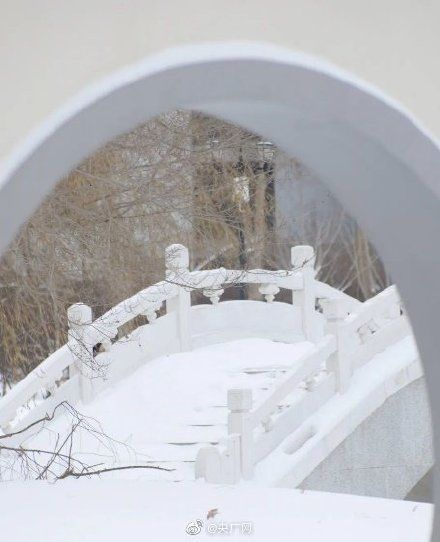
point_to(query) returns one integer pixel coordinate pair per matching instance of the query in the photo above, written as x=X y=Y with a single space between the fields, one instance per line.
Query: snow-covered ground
x=116 y=510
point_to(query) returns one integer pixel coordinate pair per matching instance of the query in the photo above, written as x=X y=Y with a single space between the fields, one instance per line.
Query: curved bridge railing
x=354 y=335
x=94 y=354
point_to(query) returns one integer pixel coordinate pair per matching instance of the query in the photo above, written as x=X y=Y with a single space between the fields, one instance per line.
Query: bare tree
x=181 y=178
x=29 y=461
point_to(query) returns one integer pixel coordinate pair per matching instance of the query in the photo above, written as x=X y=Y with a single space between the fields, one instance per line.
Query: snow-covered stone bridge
x=323 y=392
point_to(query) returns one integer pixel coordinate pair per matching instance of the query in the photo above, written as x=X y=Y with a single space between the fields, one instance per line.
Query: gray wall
x=423 y=491
x=387 y=455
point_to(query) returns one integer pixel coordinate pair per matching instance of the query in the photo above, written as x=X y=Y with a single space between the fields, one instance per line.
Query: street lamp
x=266 y=151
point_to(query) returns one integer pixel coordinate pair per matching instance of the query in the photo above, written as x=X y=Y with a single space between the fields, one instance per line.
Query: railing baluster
x=269 y=291
x=150 y=313
x=213 y=294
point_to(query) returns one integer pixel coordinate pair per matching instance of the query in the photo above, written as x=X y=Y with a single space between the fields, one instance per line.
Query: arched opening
x=378 y=163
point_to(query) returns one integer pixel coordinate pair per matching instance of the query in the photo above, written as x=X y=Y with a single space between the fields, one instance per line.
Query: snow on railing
x=44 y=377
x=368 y=330
x=355 y=333
x=254 y=432
x=71 y=373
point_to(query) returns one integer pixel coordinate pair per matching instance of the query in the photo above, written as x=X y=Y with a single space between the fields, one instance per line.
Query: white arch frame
x=378 y=162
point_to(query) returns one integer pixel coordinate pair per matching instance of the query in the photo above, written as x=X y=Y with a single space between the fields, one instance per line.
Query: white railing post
x=303 y=260
x=335 y=312
x=79 y=318
x=240 y=404
x=220 y=464
x=177 y=272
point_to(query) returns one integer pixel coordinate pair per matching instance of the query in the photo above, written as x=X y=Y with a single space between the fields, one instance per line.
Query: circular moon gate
x=381 y=166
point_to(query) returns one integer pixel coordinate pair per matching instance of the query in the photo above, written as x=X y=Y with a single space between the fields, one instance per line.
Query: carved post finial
x=79 y=315
x=302 y=256
x=239 y=400
x=334 y=309
x=176 y=258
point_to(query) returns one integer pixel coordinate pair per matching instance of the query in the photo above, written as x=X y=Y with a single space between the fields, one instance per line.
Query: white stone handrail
x=140 y=303
x=77 y=355
x=43 y=376
x=368 y=330
x=289 y=279
x=71 y=371
x=305 y=369
x=356 y=333
x=257 y=430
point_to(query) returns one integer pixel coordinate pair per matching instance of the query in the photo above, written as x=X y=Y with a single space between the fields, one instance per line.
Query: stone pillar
x=240 y=404
x=335 y=312
x=79 y=318
x=177 y=272
x=303 y=260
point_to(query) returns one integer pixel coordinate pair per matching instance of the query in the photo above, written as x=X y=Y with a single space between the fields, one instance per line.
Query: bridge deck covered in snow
x=170 y=408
